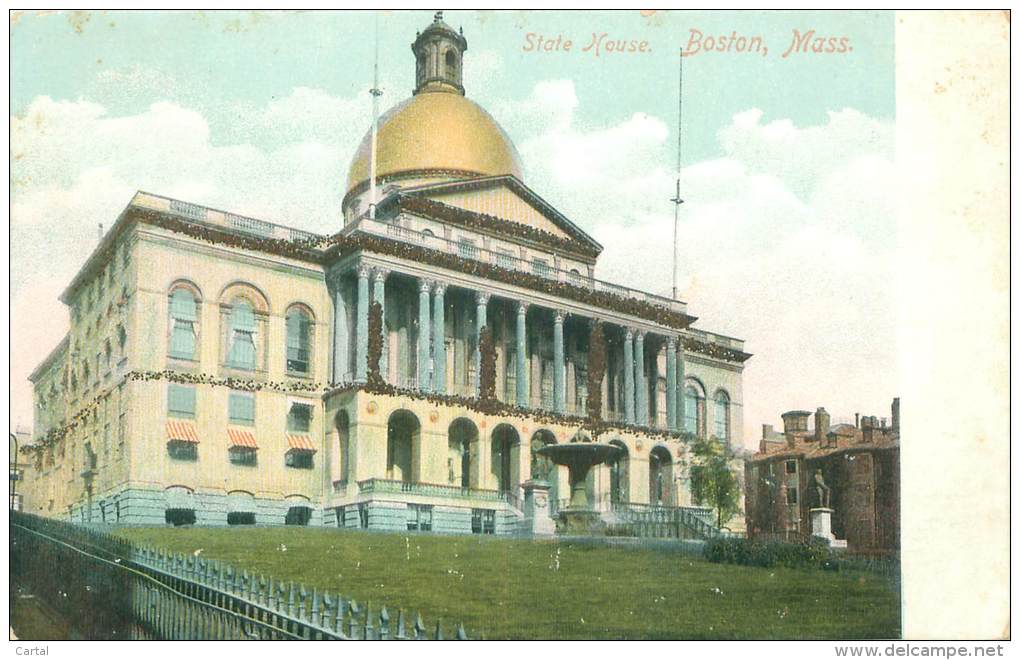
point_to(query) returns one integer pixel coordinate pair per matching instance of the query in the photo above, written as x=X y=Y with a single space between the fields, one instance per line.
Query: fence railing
x=655 y=521
x=107 y=588
x=375 y=485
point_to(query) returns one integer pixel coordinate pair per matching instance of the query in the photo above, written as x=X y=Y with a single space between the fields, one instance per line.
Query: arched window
x=619 y=474
x=660 y=477
x=692 y=409
x=183 y=324
x=241 y=354
x=299 y=341
x=722 y=416
x=451 y=64
x=421 y=67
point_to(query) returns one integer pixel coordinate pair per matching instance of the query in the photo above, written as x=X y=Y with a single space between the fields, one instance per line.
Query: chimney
x=867 y=429
x=896 y=415
x=794 y=421
x=766 y=431
x=857 y=420
x=821 y=425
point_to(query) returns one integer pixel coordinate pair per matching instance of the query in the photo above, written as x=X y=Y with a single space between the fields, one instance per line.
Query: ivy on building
x=324 y=249
x=487 y=366
x=596 y=370
x=481 y=404
x=375 y=343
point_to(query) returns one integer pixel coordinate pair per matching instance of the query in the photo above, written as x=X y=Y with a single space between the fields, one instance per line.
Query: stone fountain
x=579 y=456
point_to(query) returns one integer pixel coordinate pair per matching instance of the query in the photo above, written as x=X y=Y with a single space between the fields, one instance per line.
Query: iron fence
x=107 y=588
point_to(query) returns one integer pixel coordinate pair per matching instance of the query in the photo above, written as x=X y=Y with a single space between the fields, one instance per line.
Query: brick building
x=860 y=463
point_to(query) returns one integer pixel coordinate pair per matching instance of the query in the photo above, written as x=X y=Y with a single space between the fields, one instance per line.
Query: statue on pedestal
x=822 y=490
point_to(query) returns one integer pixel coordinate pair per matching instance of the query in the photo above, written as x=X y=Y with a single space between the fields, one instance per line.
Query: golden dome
x=437 y=131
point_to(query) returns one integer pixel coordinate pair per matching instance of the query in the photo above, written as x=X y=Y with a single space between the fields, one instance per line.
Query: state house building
x=219 y=368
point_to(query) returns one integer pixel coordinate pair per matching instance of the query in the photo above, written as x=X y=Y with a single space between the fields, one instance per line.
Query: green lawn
x=555 y=590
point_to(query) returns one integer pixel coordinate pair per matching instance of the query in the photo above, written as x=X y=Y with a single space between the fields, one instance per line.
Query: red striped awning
x=241 y=438
x=300 y=442
x=181 y=431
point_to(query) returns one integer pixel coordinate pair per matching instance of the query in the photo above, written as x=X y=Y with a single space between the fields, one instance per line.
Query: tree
x=713 y=482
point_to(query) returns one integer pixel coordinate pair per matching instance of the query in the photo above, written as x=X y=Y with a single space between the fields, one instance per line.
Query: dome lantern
x=438 y=134
x=439 y=58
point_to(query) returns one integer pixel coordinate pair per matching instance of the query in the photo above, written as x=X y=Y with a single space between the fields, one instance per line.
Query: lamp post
x=14 y=481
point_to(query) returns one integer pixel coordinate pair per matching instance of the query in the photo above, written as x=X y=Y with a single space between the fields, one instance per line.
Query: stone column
x=361 y=335
x=379 y=296
x=482 y=305
x=523 y=400
x=340 y=333
x=671 y=384
x=439 y=338
x=681 y=385
x=424 y=325
x=559 y=369
x=640 y=383
x=628 y=376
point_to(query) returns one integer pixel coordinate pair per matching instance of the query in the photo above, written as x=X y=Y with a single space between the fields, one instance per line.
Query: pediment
x=506 y=198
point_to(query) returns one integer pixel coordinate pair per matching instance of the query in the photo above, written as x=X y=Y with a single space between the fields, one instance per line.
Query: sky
x=787 y=235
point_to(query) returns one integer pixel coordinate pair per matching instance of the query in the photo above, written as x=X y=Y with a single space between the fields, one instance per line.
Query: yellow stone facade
x=144 y=414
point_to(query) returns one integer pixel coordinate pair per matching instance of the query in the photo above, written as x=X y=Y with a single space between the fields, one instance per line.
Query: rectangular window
x=299 y=419
x=363 y=515
x=182 y=451
x=298 y=515
x=303 y=460
x=178 y=517
x=181 y=401
x=242 y=408
x=791 y=495
x=483 y=521
x=791 y=467
x=240 y=518
x=419 y=517
x=243 y=455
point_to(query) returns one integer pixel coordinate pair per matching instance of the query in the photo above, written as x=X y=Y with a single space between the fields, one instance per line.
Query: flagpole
x=376 y=93
x=679 y=161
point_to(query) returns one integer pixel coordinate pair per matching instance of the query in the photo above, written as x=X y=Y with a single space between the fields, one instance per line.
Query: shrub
x=811 y=553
